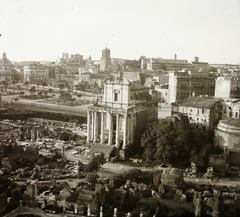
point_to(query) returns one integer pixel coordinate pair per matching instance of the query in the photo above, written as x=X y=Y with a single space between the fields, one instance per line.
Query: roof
x=130 y=76
x=198 y=102
x=137 y=86
x=233 y=122
x=98 y=76
x=106 y=149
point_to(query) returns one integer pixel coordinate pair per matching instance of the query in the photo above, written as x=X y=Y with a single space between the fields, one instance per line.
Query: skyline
x=33 y=30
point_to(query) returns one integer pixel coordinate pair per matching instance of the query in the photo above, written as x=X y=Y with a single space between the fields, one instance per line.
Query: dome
x=5 y=61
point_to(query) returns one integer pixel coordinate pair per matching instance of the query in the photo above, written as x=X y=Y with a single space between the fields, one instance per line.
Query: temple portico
x=109 y=127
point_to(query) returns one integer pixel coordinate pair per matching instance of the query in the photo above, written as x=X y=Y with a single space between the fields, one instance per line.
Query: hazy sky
x=44 y=29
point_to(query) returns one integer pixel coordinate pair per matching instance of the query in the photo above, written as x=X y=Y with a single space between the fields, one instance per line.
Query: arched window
x=116 y=95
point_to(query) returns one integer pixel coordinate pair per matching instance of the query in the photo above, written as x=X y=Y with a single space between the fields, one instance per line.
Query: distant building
x=72 y=59
x=196 y=65
x=227 y=87
x=125 y=109
x=105 y=61
x=171 y=64
x=204 y=112
x=6 y=69
x=36 y=73
x=192 y=83
x=165 y=64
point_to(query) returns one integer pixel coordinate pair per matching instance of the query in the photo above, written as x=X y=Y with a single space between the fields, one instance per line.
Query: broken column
x=215 y=212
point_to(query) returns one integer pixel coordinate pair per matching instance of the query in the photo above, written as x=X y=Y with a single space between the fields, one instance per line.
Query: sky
x=44 y=29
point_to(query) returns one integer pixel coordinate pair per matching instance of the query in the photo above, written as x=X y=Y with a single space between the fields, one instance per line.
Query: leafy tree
x=81 y=166
x=65 y=95
x=61 y=86
x=44 y=83
x=26 y=83
x=175 y=141
x=17 y=76
x=96 y=162
x=22 y=93
x=50 y=90
x=40 y=93
x=32 y=90
x=92 y=178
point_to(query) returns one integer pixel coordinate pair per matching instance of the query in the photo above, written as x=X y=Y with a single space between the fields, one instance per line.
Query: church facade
x=6 y=69
x=122 y=114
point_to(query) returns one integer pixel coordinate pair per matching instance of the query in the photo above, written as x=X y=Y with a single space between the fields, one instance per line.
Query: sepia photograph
x=119 y=108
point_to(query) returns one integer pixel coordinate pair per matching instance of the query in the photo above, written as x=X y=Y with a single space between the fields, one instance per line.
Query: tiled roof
x=198 y=102
x=131 y=76
x=137 y=86
x=98 y=76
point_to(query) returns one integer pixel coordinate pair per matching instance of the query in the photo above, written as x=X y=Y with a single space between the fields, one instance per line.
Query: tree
x=44 y=83
x=96 y=162
x=61 y=86
x=40 y=93
x=32 y=90
x=92 y=178
x=26 y=83
x=22 y=93
x=17 y=76
x=50 y=90
x=174 y=142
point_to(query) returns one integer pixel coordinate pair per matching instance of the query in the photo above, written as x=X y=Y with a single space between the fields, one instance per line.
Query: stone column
x=88 y=125
x=115 y=212
x=117 y=132
x=101 y=212
x=89 y=211
x=102 y=128
x=92 y=136
x=110 y=129
x=125 y=131
x=35 y=189
x=95 y=127
x=129 y=128
x=37 y=136
x=216 y=194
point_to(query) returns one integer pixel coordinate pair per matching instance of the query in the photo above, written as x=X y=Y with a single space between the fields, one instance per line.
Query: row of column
x=93 y=128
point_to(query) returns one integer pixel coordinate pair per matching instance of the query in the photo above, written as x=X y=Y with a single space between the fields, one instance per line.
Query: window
x=115 y=97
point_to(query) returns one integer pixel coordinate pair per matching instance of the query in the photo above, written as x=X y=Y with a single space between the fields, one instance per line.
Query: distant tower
x=196 y=59
x=105 y=60
x=143 y=62
x=175 y=57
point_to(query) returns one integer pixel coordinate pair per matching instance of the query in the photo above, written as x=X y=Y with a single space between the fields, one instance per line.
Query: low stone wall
x=81 y=110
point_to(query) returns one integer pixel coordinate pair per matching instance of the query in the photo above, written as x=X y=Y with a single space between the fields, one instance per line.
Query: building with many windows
x=192 y=83
x=204 y=112
x=122 y=114
x=36 y=73
x=171 y=64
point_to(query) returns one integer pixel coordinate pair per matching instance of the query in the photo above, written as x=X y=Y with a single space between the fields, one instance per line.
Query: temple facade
x=122 y=114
